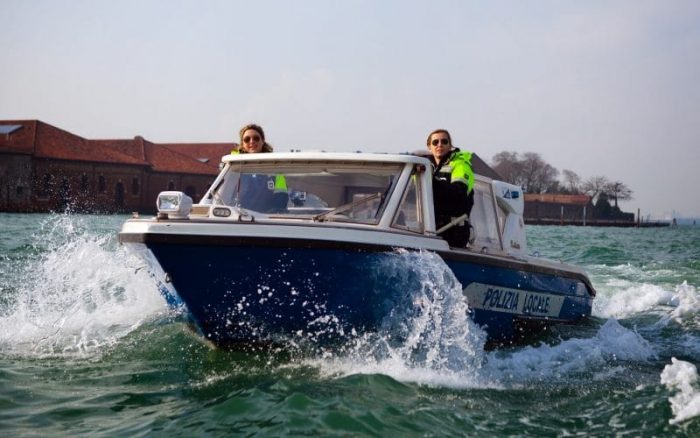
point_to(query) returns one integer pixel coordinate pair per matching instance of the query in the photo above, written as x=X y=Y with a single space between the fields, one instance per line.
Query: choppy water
x=89 y=347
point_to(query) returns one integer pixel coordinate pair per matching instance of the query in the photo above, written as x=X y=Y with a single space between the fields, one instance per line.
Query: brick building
x=44 y=168
x=560 y=209
x=552 y=208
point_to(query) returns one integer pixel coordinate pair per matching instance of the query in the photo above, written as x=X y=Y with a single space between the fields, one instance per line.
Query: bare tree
x=508 y=165
x=530 y=172
x=595 y=186
x=538 y=175
x=618 y=191
x=572 y=181
x=535 y=175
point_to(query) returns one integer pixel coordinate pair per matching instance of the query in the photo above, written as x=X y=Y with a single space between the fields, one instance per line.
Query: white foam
x=682 y=377
x=631 y=301
x=430 y=339
x=687 y=301
x=81 y=294
x=680 y=305
x=612 y=342
x=441 y=297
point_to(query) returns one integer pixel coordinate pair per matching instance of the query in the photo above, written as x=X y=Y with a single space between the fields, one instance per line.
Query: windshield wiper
x=323 y=216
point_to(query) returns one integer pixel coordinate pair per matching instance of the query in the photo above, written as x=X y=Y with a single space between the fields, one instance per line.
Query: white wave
x=596 y=358
x=681 y=304
x=600 y=357
x=429 y=340
x=81 y=294
x=687 y=301
x=682 y=377
x=613 y=342
x=623 y=303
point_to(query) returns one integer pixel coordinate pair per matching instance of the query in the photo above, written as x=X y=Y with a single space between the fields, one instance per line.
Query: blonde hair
x=439 y=131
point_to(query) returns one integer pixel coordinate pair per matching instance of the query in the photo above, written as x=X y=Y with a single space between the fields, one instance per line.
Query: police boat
x=297 y=246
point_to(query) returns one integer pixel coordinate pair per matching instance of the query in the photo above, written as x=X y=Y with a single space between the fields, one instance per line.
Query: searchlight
x=176 y=205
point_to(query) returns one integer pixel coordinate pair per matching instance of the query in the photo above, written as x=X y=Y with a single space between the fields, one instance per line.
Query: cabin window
x=135 y=187
x=323 y=191
x=409 y=215
x=101 y=184
x=483 y=218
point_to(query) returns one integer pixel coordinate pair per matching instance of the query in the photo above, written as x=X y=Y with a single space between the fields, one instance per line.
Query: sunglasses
x=255 y=139
x=438 y=141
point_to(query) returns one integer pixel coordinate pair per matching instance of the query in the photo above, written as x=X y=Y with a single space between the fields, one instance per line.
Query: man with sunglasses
x=453 y=186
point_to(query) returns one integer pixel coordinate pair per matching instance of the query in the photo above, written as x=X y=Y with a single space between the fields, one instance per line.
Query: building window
x=64 y=194
x=19 y=191
x=119 y=196
x=135 y=187
x=101 y=184
x=84 y=182
x=46 y=184
x=171 y=185
x=191 y=192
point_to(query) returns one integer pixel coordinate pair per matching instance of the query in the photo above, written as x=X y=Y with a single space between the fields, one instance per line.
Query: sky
x=603 y=88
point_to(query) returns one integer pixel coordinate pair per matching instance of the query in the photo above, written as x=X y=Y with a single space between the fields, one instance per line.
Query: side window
x=409 y=215
x=483 y=218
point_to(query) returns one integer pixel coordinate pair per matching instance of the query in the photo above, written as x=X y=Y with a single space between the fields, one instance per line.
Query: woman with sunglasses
x=263 y=193
x=252 y=140
x=453 y=186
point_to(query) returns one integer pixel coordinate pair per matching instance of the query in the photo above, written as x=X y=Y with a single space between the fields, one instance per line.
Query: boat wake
x=682 y=304
x=428 y=340
x=77 y=294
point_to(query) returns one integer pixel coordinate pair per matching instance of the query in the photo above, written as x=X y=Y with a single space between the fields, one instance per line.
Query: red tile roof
x=164 y=159
x=130 y=147
x=206 y=153
x=20 y=141
x=46 y=141
x=556 y=198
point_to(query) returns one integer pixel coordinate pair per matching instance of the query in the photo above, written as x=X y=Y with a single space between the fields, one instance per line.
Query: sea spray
x=687 y=305
x=79 y=293
x=681 y=377
x=427 y=337
x=430 y=339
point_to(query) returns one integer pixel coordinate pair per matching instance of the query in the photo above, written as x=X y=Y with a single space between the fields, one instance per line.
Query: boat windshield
x=322 y=191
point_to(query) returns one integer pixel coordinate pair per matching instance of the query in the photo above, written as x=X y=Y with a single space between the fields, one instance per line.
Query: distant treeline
x=535 y=175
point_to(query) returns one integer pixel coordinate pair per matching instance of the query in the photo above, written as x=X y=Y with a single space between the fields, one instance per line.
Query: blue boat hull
x=252 y=293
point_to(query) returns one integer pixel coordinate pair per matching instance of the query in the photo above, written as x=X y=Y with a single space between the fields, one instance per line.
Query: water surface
x=88 y=346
